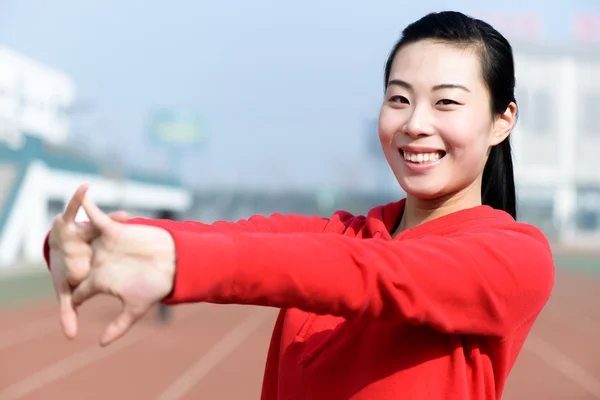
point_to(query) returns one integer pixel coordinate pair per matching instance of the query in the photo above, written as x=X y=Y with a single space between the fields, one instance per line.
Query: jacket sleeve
x=275 y=223
x=485 y=281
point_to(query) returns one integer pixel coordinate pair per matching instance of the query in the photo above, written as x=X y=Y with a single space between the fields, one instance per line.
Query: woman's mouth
x=422 y=158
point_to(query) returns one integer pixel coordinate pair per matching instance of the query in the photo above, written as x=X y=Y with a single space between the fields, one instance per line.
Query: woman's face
x=436 y=126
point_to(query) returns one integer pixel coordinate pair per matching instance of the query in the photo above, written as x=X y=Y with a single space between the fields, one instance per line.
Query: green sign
x=177 y=129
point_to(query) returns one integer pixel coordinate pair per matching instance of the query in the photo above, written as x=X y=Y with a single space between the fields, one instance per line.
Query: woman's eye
x=399 y=99
x=447 y=102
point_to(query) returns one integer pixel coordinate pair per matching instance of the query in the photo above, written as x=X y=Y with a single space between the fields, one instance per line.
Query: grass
x=19 y=290
x=583 y=263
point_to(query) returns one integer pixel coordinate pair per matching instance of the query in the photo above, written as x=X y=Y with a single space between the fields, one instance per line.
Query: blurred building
x=39 y=171
x=557 y=139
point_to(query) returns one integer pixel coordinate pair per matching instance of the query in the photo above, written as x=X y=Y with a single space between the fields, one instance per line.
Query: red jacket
x=439 y=312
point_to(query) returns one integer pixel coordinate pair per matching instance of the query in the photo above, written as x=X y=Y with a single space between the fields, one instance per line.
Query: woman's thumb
x=68 y=315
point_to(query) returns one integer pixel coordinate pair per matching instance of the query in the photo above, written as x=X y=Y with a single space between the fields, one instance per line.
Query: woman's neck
x=418 y=211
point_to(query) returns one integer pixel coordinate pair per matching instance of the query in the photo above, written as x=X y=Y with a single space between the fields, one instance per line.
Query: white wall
x=33 y=97
x=23 y=234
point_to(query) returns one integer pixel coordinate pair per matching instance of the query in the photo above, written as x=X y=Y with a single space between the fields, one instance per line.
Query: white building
x=39 y=172
x=33 y=99
x=557 y=139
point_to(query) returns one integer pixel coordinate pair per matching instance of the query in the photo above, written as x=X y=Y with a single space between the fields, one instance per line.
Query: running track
x=218 y=352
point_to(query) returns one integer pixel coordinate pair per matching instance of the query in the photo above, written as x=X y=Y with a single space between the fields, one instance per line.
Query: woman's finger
x=89 y=232
x=97 y=216
x=74 y=204
x=84 y=291
x=119 y=216
x=68 y=315
x=77 y=272
x=120 y=325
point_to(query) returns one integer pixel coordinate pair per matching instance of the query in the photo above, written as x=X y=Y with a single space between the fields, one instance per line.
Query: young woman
x=430 y=297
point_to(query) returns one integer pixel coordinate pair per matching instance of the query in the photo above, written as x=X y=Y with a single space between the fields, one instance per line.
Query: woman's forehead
x=436 y=63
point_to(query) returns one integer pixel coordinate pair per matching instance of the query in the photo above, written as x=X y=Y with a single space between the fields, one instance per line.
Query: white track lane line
x=217 y=353
x=562 y=363
x=89 y=355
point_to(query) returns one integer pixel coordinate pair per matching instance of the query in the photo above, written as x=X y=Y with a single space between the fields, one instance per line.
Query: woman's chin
x=421 y=189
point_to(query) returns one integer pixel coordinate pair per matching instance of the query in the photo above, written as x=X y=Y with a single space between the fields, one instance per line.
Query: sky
x=286 y=88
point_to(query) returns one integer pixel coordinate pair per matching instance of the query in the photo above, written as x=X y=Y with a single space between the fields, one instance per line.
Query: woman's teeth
x=422 y=158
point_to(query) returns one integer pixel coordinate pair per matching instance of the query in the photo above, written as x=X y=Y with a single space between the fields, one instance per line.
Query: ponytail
x=498 y=186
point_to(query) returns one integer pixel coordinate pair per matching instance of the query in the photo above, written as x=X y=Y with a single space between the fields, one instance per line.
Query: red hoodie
x=439 y=312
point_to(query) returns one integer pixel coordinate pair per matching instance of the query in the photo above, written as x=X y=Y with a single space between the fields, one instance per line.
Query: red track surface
x=218 y=352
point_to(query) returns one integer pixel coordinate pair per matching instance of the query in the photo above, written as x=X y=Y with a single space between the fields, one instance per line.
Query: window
x=587 y=216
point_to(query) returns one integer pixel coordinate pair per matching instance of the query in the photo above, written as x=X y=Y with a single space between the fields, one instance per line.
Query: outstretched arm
x=275 y=223
x=71 y=249
x=486 y=281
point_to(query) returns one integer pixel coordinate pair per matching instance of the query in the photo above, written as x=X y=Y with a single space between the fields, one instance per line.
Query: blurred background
x=220 y=110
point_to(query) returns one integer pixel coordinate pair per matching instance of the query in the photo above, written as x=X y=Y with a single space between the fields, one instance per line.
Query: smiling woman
x=429 y=297
x=449 y=109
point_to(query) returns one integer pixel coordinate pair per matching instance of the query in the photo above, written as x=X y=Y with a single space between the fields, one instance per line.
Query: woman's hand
x=70 y=257
x=134 y=263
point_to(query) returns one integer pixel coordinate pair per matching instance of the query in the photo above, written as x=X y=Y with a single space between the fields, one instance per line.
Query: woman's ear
x=503 y=124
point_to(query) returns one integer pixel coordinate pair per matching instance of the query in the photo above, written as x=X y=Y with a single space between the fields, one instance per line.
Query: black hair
x=496 y=57
x=167 y=214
